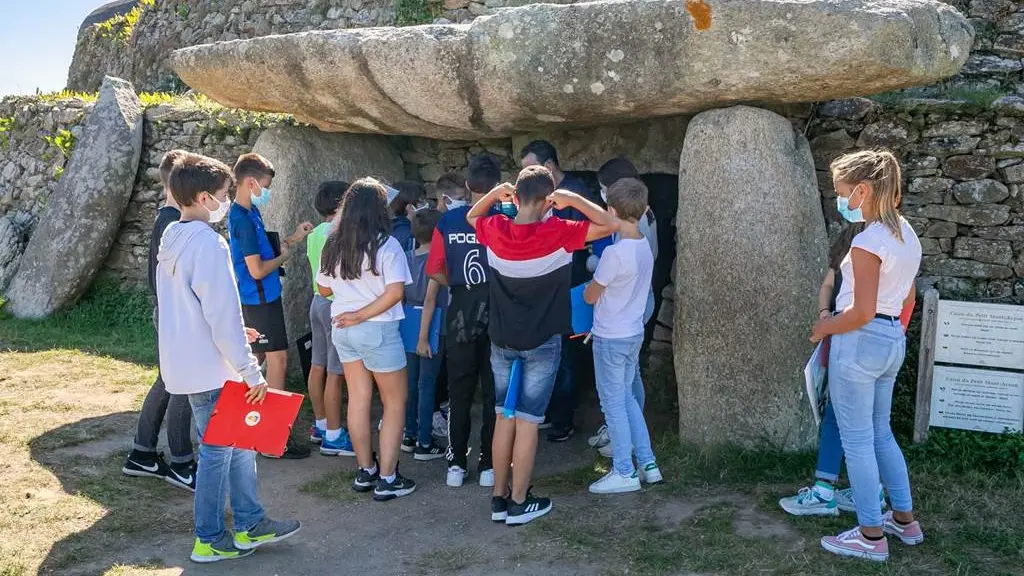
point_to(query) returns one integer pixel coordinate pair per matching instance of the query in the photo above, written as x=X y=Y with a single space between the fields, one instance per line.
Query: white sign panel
x=980 y=334
x=980 y=400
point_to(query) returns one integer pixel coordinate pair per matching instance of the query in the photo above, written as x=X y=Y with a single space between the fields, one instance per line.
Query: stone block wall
x=30 y=165
x=138 y=54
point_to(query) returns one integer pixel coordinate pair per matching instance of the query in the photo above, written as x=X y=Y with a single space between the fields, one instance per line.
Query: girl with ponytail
x=868 y=347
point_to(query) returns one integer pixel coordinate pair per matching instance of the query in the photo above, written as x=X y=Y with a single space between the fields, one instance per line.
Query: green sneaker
x=222 y=549
x=266 y=532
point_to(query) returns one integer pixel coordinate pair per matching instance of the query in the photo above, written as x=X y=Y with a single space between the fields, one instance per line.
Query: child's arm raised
x=429 y=304
x=602 y=223
x=503 y=192
x=214 y=286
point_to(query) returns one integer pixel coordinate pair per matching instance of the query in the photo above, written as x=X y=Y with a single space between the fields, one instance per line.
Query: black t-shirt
x=164 y=218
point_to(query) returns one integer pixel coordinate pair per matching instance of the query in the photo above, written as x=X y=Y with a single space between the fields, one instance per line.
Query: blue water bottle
x=515 y=379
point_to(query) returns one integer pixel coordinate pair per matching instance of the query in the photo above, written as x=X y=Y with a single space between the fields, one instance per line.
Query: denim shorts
x=377 y=344
x=539 y=368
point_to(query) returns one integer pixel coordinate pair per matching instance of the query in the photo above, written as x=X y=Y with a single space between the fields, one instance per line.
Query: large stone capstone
x=542 y=65
x=83 y=215
x=303 y=157
x=751 y=256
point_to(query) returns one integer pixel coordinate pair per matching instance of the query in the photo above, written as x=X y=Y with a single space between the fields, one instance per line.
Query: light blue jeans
x=617 y=372
x=862 y=370
x=221 y=471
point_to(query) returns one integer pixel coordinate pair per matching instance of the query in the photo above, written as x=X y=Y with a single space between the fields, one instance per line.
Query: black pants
x=469 y=363
x=575 y=373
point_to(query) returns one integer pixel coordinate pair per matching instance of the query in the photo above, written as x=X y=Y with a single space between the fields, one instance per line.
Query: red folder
x=261 y=427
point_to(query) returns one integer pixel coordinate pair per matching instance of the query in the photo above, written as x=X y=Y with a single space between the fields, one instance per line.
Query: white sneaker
x=380 y=424
x=456 y=476
x=650 y=474
x=600 y=438
x=486 y=478
x=844 y=499
x=439 y=425
x=614 y=483
x=605 y=450
x=810 y=501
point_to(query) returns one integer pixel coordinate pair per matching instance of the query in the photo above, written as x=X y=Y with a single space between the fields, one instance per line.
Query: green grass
x=335 y=485
x=106 y=322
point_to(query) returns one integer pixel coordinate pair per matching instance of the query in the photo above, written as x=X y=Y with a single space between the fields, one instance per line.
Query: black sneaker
x=143 y=465
x=560 y=434
x=292 y=451
x=182 y=476
x=528 y=510
x=365 y=481
x=428 y=453
x=499 y=508
x=545 y=424
x=401 y=486
x=408 y=444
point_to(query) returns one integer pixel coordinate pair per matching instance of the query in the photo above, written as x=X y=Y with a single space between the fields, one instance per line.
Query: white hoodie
x=202 y=335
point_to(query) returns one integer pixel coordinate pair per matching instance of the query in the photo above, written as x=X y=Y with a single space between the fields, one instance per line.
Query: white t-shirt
x=351 y=295
x=900 y=261
x=625 y=272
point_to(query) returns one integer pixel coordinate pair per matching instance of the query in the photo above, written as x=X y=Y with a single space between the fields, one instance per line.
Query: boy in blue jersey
x=457 y=260
x=257 y=270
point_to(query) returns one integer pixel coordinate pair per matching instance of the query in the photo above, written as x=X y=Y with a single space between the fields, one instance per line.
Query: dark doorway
x=663 y=197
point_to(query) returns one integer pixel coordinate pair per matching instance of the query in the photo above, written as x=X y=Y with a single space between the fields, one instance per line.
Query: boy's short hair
x=450 y=181
x=167 y=164
x=195 y=174
x=483 y=174
x=328 y=197
x=542 y=150
x=409 y=194
x=534 y=184
x=252 y=164
x=614 y=170
x=629 y=198
x=423 y=224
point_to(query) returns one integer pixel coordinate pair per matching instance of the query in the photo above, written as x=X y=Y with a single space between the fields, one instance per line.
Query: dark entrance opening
x=663 y=197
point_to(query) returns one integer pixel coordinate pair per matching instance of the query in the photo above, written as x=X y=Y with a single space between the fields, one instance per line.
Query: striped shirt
x=529 y=281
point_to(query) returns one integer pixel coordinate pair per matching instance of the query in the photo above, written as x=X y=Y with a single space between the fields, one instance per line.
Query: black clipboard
x=275 y=244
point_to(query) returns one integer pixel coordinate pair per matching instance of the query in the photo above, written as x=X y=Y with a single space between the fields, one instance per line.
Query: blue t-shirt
x=401 y=230
x=247 y=236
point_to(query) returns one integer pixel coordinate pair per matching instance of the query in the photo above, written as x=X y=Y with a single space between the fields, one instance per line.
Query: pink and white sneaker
x=853 y=543
x=909 y=534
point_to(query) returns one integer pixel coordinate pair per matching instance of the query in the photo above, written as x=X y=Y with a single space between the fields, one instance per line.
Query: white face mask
x=604 y=193
x=221 y=211
x=451 y=203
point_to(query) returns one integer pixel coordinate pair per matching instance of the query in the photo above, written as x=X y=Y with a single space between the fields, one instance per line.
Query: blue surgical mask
x=262 y=199
x=851 y=215
x=508 y=209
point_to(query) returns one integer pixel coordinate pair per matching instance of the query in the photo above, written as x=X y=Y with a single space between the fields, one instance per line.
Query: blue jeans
x=830 y=447
x=539 y=367
x=617 y=371
x=862 y=372
x=419 y=407
x=222 y=471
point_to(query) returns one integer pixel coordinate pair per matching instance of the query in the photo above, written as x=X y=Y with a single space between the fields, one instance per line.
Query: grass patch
x=451 y=559
x=336 y=486
x=107 y=321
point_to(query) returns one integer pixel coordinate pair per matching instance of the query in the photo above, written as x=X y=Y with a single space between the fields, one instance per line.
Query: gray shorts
x=324 y=354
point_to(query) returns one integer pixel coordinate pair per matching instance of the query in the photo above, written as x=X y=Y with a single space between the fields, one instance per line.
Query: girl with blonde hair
x=868 y=347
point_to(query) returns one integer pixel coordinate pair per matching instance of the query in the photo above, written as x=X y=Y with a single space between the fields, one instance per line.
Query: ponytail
x=881 y=169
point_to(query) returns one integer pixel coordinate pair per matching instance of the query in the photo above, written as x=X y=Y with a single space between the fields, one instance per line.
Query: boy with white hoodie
x=203 y=344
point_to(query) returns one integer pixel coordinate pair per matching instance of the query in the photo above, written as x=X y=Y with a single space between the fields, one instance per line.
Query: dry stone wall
x=139 y=53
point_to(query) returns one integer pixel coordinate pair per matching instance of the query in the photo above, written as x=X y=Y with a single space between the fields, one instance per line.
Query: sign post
x=977 y=337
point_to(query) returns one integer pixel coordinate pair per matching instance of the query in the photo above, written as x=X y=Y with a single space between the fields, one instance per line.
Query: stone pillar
x=303 y=157
x=751 y=256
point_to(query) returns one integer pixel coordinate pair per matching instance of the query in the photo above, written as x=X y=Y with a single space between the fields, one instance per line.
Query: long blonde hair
x=881 y=169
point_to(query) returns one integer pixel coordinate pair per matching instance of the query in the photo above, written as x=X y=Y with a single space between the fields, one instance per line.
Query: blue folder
x=598 y=246
x=582 y=313
x=410 y=328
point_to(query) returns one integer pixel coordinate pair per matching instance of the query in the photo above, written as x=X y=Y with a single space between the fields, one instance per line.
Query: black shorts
x=268 y=320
